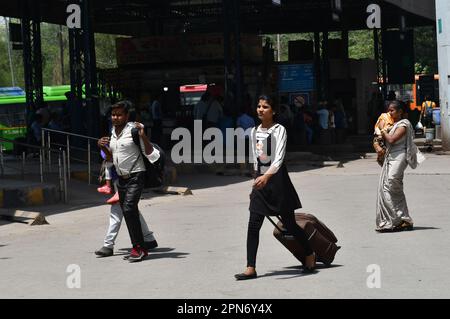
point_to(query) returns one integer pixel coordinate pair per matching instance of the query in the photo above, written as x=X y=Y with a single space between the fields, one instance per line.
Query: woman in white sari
x=392 y=210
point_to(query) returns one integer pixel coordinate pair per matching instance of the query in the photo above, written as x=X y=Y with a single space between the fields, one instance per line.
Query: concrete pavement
x=202 y=242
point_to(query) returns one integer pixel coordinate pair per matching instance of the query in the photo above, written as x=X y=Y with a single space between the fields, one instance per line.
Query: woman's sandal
x=406 y=226
x=244 y=276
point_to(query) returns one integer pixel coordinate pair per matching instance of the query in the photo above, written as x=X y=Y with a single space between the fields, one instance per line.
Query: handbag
x=419 y=125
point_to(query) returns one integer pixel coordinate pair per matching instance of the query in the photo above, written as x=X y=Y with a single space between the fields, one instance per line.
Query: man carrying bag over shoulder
x=130 y=168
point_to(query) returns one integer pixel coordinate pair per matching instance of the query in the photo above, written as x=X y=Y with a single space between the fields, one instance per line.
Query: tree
x=360 y=44
x=425 y=44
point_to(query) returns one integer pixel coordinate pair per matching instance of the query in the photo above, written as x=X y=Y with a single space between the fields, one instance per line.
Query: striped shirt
x=278 y=147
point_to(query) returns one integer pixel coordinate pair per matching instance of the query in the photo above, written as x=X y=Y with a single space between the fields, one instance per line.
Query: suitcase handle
x=273 y=223
x=284 y=233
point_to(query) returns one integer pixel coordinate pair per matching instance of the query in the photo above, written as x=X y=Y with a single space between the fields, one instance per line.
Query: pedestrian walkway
x=202 y=242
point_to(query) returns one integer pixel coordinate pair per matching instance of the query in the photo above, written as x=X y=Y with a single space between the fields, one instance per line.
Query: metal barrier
x=47 y=143
x=62 y=167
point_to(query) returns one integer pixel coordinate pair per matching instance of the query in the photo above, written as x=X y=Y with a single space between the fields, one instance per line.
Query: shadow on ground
x=157 y=253
x=296 y=271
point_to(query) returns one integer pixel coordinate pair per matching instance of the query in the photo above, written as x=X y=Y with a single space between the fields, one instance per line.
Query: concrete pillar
x=443 y=39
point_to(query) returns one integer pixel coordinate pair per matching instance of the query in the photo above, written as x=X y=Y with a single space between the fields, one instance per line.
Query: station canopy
x=150 y=17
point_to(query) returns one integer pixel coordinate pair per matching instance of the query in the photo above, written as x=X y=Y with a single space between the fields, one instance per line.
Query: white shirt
x=126 y=156
x=279 y=139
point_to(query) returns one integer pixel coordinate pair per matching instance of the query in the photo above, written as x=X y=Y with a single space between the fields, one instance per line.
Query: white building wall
x=443 y=39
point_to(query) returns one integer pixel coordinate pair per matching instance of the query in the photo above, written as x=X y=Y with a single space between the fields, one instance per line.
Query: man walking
x=130 y=168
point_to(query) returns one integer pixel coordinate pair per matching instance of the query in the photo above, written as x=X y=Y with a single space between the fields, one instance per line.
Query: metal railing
x=26 y=149
x=46 y=139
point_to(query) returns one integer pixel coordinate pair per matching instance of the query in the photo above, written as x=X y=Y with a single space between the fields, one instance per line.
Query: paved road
x=202 y=242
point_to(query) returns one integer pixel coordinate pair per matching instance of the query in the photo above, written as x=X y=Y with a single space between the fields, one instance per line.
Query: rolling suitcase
x=321 y=238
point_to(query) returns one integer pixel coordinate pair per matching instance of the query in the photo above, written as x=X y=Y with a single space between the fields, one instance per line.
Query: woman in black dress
x=273 y=193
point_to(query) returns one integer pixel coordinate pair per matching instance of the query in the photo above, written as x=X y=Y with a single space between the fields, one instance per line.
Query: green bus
x=13 y=110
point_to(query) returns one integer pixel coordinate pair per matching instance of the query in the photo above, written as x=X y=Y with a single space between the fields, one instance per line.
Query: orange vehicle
x=424 y=85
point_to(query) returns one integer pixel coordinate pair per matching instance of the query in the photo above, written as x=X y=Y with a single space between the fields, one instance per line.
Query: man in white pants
x=115 y=221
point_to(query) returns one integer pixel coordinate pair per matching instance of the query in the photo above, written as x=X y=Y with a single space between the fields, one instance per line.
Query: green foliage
x=360 y=44
x=5 y=78
x=426 y=50
x=51 y=56
x=105 y=45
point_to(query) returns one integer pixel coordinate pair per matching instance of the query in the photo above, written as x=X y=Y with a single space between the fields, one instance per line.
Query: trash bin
x=429 y=135
x=437 y=116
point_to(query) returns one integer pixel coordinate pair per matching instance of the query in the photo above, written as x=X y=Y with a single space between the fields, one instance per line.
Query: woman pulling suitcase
x=273 y=193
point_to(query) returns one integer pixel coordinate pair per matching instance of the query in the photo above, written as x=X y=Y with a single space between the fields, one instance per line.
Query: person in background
x=246 y=122
x=55 y=124
x=324 y=116
x=213 y=113
x=156 y=115
x=44 y=111
x=392 y=212
x=35 y=134
x=427 y=112
x=201 y=106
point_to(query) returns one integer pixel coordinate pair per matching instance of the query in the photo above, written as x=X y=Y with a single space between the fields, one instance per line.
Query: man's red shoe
x=137 y=254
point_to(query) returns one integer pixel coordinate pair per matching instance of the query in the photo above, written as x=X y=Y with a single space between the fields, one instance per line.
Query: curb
x=28 y=196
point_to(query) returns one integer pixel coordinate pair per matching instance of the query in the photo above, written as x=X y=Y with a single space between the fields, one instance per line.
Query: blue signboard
x=295 y=77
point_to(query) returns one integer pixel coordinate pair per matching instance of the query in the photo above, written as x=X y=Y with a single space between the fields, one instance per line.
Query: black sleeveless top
x=278 y=197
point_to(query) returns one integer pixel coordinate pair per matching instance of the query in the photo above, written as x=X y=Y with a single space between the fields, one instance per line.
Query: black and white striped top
x=259 y=147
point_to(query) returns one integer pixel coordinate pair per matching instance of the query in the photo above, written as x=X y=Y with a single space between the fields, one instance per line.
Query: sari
x=392 y=210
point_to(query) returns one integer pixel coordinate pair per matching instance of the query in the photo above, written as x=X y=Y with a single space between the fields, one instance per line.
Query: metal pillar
x=32 y=57
x=238 y=65
x=344 y=36
x=326 y=67
x=381 y=63
x=83 y=73
x=317 y=65
x=227 y=53
x=90 y=70
x=75 y=55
